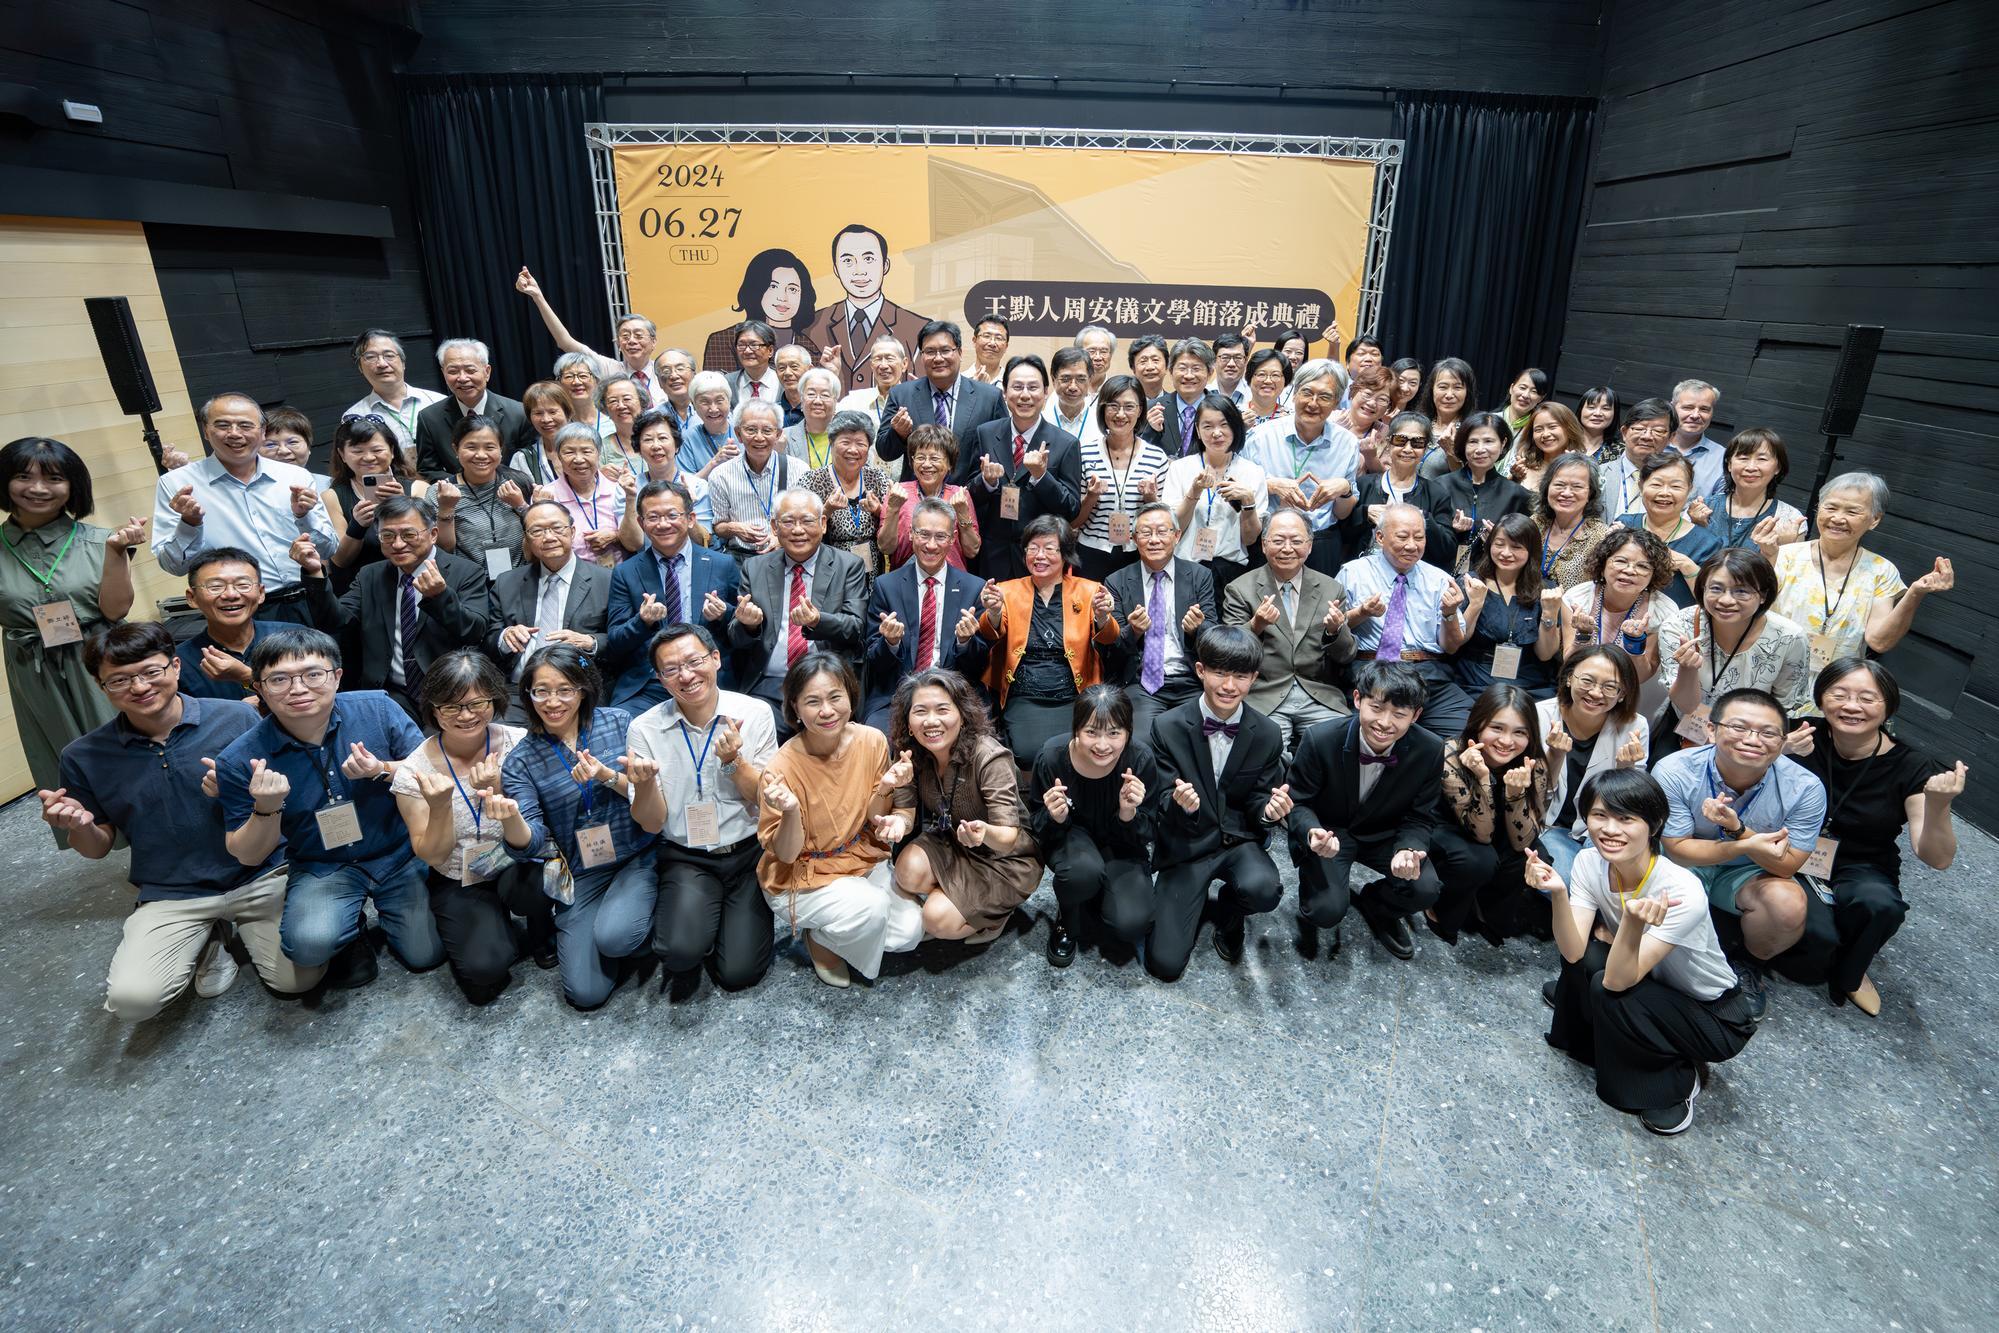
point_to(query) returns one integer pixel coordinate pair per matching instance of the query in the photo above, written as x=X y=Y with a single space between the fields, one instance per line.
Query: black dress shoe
x=1228 y=937
x=1548 y=991
x=1061 y=945
x=1393 y=932
x=1440 y=930
x=1308 y=940
x=544 y=953
x=353 y=967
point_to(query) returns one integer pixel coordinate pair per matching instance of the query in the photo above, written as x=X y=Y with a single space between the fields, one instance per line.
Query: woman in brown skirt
x=972 y=860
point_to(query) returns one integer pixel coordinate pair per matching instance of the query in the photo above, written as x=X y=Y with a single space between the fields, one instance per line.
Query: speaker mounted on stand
x=125 y=362
x=1844 y=398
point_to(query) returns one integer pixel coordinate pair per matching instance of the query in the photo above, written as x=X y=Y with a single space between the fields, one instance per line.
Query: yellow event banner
x=806 y=237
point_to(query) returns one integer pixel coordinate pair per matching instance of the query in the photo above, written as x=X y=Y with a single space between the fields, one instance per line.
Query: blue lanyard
x=580 y=501
x=462 y=795
x=701 y=761
x=1553 y=553
x=776 y=464
x=588 y=788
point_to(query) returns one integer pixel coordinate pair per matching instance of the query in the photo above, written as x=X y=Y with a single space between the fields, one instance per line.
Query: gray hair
x=209 y=405
x=818 y=373
x=930 y=504
x=472 y=345
x=369 y=335
x=843 y=422
x=881 y=338
x=569 y=360
x=803 y=496
x=1314 y=371
x=707 y=381
x=1283 y=511
x=1396 y=509
x=620 y=377
x=1195 y=347
x=1089 y=329
x=576 y=430
x=652 y=329
x=1870 y=485
x=748 y=405
x=1694 y=386
x=1160 y=507
x=680 y=352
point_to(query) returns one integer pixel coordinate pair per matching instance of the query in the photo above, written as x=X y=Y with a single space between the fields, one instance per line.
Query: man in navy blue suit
x=925 y=614
x=704 y=589
x=1020 y=454
x=941 y=396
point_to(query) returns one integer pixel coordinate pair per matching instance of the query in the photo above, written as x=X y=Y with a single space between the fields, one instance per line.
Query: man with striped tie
x=802 y=595
x=941 y=396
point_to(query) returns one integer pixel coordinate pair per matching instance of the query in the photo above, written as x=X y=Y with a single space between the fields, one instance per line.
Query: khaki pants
x=164 y=939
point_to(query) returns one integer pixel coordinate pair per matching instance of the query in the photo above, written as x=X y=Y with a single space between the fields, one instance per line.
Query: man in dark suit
x=402 y=613
x=925 y=614
x=553 y=598
x=1365 y=789
x=801 y=596
x=1221 y=766
x=467 y=366
x=849 y=326
x=704 y=590
x=941 y=397
x=1166 y=602
x=1298 y=616
x=1021 y=454
x=1169 y=420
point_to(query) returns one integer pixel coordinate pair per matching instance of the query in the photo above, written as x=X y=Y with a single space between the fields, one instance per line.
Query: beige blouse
x=1472 y=802
x=833 y=798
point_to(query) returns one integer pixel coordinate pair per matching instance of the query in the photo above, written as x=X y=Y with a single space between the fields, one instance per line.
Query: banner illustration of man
x=850 y=325
x=777 y=289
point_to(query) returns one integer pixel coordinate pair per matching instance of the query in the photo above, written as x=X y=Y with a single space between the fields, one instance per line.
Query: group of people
x=641 y=663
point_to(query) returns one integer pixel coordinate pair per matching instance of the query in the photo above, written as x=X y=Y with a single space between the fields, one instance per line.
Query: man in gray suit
x=802 y=595
x=1298 y=616
x=553 y=598
x=1154 y=660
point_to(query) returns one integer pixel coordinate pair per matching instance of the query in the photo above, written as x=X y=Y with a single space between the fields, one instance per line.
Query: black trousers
x=1224 y=572
x=711 y=907
x=1324 y=893
x=1644 y=1041
x=1098 y=565
x=1120 y=886
x=1249 y=885
x=766 y=688
x=1145 y=707
x=1867 y=909
x=474 y=922
x=1329 y=551
x=1476 y=876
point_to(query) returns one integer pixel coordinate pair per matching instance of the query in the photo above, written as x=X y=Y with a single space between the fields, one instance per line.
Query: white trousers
x=859 y=917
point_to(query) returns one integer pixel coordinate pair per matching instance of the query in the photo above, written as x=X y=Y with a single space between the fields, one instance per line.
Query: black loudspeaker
x=1849 y=379
x=125 y=357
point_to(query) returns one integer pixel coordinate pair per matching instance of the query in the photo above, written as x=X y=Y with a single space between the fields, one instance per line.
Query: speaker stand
x=1827 y=457
x=152 y=436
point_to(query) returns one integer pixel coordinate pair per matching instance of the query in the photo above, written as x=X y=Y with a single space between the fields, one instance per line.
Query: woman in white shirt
x=1217 y=496
x=1645 y=994
x=1592 y=724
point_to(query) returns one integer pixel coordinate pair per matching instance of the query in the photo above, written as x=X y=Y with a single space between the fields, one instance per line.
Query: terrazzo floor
x=978 y=1141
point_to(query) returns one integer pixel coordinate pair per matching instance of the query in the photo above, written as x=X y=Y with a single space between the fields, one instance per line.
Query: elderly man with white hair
x=742 y=492
x=1313 y=464
x=1402 y=609
x=467 y=365
x=890 y=363
x=804 y=595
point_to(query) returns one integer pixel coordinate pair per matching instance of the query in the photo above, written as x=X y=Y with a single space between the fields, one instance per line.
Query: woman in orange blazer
x=1048 y=629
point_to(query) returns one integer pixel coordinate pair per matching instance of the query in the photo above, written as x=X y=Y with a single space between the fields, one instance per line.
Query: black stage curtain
x=1487 y=215
x=501 y=175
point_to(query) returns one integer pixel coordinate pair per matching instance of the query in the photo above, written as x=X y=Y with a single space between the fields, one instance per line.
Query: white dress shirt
x=1221 y=743
x=662 y=735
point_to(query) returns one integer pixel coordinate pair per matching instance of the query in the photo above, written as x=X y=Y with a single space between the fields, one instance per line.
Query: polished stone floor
x=978 y=1141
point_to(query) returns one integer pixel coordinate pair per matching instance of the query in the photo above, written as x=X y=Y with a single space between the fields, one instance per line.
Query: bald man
x=1401 y=609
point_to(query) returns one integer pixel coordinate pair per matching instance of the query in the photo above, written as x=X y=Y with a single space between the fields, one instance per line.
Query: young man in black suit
x=1021 y=455
x=1167 y=602
x=941 y=396
x=1364 y=788
x=1221 y=769
x=900 y=643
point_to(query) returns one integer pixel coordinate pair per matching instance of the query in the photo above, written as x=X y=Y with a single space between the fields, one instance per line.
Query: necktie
x=756 y=389
x=1392 y=620
x=1213 y=726
x=672 y=589
x=1289 y=594
x=548 y=616
x=1187 y=426
x=1387 y=760
x=859 y=324
x=1019 y=451
x=645 y=385
x=942 y=405
x=926 y=625
x=406 y=623
x=795 y=642
x=1152 y=670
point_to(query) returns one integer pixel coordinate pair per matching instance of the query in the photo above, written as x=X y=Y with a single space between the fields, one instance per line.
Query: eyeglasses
x=396 y=538
x=380 y=358
x=216 y=587
x=1604 y=689
x=312 y=679
x=675 y=670
x=368 y=417
x=578 y=377
x=1652 y=432
x=473 y=709
x=1743 y=729
x=1319 y=396
x=1154 y=532
x=1410 y=441
x=1631 y=566
x=797 y=523
x=120 y=684
x=560 y=694
x=1283 y=543
x=931 y=537
x=1865 y=698
x=551 y=529
x=750 y=344
x=666 y=516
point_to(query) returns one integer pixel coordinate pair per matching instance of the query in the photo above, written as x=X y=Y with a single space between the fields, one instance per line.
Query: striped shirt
x=1121 y=489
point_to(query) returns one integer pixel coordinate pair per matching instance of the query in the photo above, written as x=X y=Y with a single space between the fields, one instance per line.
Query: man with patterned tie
x=1166 y=603
x=1365 y=789
x=1022 y=456
x=922 y=615
x=941 y=396
x=1298 y=616
x=804 y=594
x=638 y=341
x=673 y=580
x=551 y=598
x=1403 y=610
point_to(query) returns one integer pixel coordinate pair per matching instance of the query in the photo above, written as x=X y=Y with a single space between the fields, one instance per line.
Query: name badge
x=1205 y=542
x=596 y=846
x=1694 y=727
x=703 y=824
x=57 y=622
x=339 y=825
x=1010 y=502
x=498 y=561
x=1824 y=648
x=1506 y=661
x=1819 y=863
x=1120 y=523
x=484 y=861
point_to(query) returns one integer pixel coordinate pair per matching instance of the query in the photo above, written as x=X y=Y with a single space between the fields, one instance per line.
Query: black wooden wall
x=1768 y=172
x=259 y=142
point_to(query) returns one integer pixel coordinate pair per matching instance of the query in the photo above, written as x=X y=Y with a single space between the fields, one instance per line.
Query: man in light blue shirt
x=1693 y=406
x=239 y=498
x=1312 y=463
x=1402 y=609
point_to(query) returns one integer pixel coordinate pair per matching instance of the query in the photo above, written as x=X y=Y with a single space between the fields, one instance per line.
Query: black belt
x=293 y=593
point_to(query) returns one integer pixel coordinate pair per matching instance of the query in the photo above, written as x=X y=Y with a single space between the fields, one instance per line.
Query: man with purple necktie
x=1403 y=610
x=1165 y=604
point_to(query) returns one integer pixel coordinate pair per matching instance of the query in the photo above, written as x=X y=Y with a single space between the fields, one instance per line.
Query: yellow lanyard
x=1623 y=899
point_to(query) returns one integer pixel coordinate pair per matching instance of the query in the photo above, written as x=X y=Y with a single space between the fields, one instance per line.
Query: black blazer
x=1325 y=787
x=1059 y=492
x=1498 y=497
x=1232 y=801
x=434 y=455
x=517 y=601
x=1167 y=437
x=898 y=592
x=1440 y=545
x=1193 y=585
x=839 y=590
x=978 y=403
x=366 y=617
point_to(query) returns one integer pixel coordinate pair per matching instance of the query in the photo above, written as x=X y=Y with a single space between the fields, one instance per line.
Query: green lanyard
x=407 y=422
x=44 y=579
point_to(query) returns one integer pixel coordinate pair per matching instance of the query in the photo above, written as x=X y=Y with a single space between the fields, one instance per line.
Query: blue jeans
x=611 y=918
x=323 y=913
x=1559 y=848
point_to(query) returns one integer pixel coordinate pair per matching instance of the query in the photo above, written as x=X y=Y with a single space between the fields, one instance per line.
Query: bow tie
x=1387 y=759
x=1209 y=726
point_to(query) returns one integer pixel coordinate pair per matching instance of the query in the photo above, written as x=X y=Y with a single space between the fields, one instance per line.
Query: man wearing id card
x=1018 y=468
x=1744 y=820
x=710 y=746
x=311 y=778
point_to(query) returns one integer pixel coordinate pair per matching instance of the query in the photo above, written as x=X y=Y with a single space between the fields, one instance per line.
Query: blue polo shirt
x=192 y=681
x=151 y=792
x=1789 y=796
x=368 y=716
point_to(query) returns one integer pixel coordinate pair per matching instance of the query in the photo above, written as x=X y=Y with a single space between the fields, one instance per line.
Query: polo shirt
x=1788 y=796
x=193 y=682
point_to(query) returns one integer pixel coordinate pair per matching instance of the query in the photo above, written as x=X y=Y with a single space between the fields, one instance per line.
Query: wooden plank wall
x=1767 y=173
x=52 y=382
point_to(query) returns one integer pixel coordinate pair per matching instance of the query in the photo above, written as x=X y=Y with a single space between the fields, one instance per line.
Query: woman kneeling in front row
x=1645 y=993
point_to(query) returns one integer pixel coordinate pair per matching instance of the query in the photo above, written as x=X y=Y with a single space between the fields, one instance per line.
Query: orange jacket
x=1078 y=596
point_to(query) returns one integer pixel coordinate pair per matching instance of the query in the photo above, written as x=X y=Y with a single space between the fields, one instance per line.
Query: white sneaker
x=216 y=972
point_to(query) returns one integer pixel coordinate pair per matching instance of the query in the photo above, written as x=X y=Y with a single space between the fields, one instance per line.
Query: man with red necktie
x=1022 y=467
x=803 y=595
x=924 y=614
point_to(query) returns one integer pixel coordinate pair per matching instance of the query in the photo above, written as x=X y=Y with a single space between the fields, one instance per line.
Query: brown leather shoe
x=1867 y=999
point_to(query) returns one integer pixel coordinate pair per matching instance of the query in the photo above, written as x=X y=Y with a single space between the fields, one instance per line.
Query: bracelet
x=266 y=814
